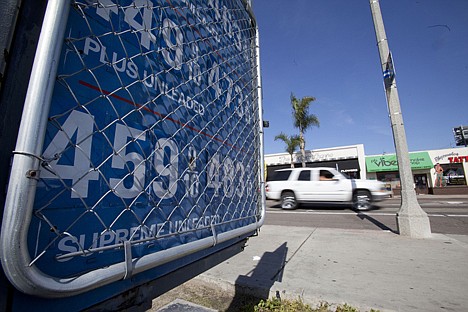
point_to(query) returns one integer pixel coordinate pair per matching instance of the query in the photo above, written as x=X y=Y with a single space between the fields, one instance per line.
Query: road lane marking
x=362 y=213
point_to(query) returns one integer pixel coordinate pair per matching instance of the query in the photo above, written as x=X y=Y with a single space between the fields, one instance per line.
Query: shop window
x=454 y=174
x=388 y=176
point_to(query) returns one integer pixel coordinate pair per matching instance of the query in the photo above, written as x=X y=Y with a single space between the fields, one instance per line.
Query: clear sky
x=327 y=49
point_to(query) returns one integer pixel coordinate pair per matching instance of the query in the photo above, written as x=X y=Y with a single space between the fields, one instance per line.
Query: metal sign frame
x=38 y=219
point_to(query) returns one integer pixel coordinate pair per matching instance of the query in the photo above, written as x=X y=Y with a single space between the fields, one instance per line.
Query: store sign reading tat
x=458 y=159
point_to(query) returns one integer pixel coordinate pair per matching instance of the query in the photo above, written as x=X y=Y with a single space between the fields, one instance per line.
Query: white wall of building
x=442 y=156
x=324 y=154
x=448 y=156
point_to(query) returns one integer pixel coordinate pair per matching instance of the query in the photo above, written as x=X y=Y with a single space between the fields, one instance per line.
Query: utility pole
x=411 y=219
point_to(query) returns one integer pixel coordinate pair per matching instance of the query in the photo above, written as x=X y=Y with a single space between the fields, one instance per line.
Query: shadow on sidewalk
x=376 y=222
x=256 y=284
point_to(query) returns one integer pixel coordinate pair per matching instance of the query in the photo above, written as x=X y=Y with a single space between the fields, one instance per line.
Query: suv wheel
x=288 y=200
x=362 y=200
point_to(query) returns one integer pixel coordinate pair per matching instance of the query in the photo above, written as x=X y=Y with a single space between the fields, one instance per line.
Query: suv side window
x=282 y=175
x=326 y=175
x=304 y=175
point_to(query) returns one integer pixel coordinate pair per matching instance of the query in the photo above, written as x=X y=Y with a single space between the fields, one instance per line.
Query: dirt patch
x=217 y=296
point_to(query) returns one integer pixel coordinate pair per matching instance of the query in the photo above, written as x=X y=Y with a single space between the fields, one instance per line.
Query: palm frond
x=302 y=119
x=292 y=142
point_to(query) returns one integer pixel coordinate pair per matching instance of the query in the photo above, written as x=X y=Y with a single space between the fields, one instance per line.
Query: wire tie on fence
x=28 y=154
x=215 y=235
x=128 y=260
x=32 y=173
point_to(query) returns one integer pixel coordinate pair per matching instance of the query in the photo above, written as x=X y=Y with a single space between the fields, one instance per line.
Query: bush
x=284 y=305
x=278 y=305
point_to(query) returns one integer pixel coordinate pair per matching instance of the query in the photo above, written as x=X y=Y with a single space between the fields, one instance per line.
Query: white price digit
x=228 y=178
x=166 y=163
x=80 y=171
x=106 y=8
x=195 y=72
x=177 y=46
x=229 y=91
x=214 y=79
x=133 y=15
x=140 y=21
x=241 y=185
x=192 y=184
x=213 y=174
x=240 y=111
x=120 y=160
x=248 y=182
x=191 y=180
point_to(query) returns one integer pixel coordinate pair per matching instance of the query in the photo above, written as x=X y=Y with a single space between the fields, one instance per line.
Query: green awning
x=419 y=160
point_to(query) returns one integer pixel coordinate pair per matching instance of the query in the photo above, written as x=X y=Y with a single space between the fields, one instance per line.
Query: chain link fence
x=152 y=148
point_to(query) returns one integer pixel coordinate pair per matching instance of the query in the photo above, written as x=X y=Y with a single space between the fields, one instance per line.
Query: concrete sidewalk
x=366 y=269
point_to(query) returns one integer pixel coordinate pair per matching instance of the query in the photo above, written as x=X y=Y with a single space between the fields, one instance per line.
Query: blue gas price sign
x=153 y=137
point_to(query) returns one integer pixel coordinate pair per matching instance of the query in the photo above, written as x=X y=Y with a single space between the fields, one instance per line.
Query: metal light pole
x=411 y=219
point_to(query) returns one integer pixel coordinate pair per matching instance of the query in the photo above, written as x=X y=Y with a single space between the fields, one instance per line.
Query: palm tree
x=302 y=119
x=292 y=142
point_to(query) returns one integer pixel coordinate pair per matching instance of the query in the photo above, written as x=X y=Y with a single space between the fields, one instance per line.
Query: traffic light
x=461 y=135
x=465 y=135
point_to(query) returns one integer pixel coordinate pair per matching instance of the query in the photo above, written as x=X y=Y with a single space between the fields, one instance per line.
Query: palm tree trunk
x=302 y=149
x=292 y=164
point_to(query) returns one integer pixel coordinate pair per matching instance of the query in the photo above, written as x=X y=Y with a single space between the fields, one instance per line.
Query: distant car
x=315 y=185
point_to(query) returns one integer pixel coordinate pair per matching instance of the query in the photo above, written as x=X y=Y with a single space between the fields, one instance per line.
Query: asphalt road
x=448 y=215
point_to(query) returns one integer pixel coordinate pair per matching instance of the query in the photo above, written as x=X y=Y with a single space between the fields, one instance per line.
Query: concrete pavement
x=366 y=269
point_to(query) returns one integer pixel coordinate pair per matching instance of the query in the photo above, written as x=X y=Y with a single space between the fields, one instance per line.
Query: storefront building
x=454 y=161
x=352 y=161
x=346 y=159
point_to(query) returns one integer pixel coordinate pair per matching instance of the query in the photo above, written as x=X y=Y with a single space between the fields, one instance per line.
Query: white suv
x=312 y=185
